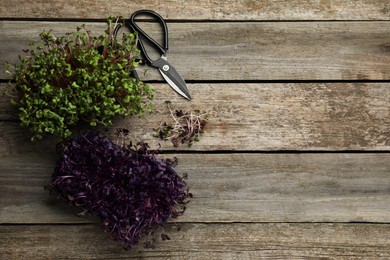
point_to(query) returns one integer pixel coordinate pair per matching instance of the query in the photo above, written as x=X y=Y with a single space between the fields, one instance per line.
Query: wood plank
x=203 y=9
x=249 y=51
x=333 y=116
x=230 y=188
x=201 y=241
x=8 y=112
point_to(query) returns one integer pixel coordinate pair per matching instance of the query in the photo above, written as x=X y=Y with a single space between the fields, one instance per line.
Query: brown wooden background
x=295 y=162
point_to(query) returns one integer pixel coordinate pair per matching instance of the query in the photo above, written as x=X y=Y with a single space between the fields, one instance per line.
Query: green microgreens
x=78 y=77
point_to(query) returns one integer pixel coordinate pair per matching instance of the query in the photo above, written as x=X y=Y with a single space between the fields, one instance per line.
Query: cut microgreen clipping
x=187 y=127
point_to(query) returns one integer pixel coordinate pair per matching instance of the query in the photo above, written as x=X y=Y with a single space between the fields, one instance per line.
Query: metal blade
x=173 y=78
x=175 y=86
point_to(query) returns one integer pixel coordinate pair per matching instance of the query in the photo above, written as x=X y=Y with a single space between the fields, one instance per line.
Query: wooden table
x=295 y=162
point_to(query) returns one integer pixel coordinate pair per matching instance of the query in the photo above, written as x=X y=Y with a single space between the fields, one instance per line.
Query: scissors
x=169 y=73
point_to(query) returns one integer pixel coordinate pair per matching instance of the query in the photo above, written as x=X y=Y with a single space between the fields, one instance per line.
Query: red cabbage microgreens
x=129 y=188
x=187 y=126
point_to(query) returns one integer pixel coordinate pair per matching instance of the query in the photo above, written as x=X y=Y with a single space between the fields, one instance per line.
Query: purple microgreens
x=187 y=127
x=131 y=190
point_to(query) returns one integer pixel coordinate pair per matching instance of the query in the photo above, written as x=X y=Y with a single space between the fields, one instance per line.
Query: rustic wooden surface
x=295 y=159
x=197 y=241
x=262 y=116
x=234 y=187
x=202 y=9
x=249 y=50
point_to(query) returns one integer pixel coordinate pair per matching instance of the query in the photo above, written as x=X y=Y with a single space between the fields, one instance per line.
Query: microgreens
x=187 y=127
x=77 y=77
x=128 y=187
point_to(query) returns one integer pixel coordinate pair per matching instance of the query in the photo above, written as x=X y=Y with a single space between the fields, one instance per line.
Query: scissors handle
x=144 y=36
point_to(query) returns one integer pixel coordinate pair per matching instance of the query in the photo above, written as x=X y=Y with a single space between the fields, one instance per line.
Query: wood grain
x=248 y=51
x=202 y=241
x=229 y=188
x=8 y=112
x=257 y=196
x=202 y=10
x=333 y=116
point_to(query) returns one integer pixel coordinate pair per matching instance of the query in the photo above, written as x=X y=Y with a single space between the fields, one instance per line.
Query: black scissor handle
x=144 y=36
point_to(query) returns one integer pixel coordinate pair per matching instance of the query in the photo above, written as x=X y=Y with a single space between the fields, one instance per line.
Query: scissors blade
x=172 y=77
